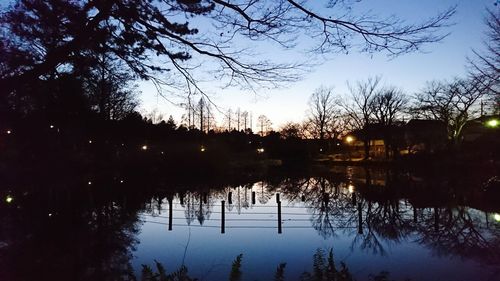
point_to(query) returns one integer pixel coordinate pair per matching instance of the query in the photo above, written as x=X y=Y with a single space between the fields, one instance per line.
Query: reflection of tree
x=459 y=232
x=72 y=243
x=322 y=197
x=263 y=194
x=198 y=206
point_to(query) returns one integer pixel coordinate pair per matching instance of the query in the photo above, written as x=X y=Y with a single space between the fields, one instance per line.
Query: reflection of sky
x=444 y=60
x=209 y=253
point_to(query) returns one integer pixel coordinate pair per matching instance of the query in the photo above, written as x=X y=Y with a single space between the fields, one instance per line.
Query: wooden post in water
x=278 y=198
x=170 y=212
x=279 y=218
x=223 y=217
x=230 y=198
x=360 y=219
x=303 y=198
x=253 y=197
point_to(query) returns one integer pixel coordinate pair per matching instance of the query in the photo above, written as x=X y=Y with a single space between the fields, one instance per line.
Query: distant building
x=482 y=128
x=425 y=135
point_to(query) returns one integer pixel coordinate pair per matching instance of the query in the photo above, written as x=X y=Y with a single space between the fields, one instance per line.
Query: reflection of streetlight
x=351 y=188
x=496 y=217
x=492 y=123
x=349 y=139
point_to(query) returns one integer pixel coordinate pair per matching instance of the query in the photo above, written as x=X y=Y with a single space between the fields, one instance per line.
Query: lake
x=376 y=222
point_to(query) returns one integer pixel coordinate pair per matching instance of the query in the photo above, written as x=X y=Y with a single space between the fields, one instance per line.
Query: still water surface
x=369 y=237
x=367 y=222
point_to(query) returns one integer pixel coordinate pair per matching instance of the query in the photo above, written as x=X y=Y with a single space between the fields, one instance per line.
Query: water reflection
x=88 y=235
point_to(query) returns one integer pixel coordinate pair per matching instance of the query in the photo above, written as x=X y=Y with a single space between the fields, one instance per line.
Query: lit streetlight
x=492 y=123
x=9 y=199
x=9 y=132
x=144 y=147
x=349 y=139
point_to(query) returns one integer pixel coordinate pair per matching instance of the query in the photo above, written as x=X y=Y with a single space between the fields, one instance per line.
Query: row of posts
x=279 y=221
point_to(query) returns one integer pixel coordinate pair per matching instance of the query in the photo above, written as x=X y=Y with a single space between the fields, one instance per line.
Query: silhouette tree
x=450 y=102
x=264 y=124
x=323 y=114
x=388 y=106
x=43 y=37
x=360 y=108
x=109 y=88
x=485 y=65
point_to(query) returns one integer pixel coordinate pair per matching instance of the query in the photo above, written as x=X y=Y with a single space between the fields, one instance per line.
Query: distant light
x=321 y=150
x=9 y=199
x=351 y=188
x=50 y=214
x=162 y=153
x=9 y=132
x=202 y=149
x=493 y=123
x=338 y=144
x=144 y=147
x=123 y=144
x=89 y=183
x=51 y=126
x=250 y=142
x=121 y=181
x=90 y=141
x=349 y=139
x=496 y=217
x=260 y=150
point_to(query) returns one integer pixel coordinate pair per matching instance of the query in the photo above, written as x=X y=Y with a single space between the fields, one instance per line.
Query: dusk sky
x=443 y=60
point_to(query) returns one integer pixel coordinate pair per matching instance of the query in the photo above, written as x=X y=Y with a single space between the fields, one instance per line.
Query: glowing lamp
x=9 y=132
x=51 y=126
x=89 y=183
x=90 y=141
x=260 y=150
x=144 y=147
x=121 y=181
x=202 y=149
x=351 y=188
x=492 y=123
x=349 y=139
x=9 y=199
x=321 y=150
x=496 y=217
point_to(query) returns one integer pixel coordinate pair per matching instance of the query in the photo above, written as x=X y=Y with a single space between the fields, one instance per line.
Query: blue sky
x=443 y=60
